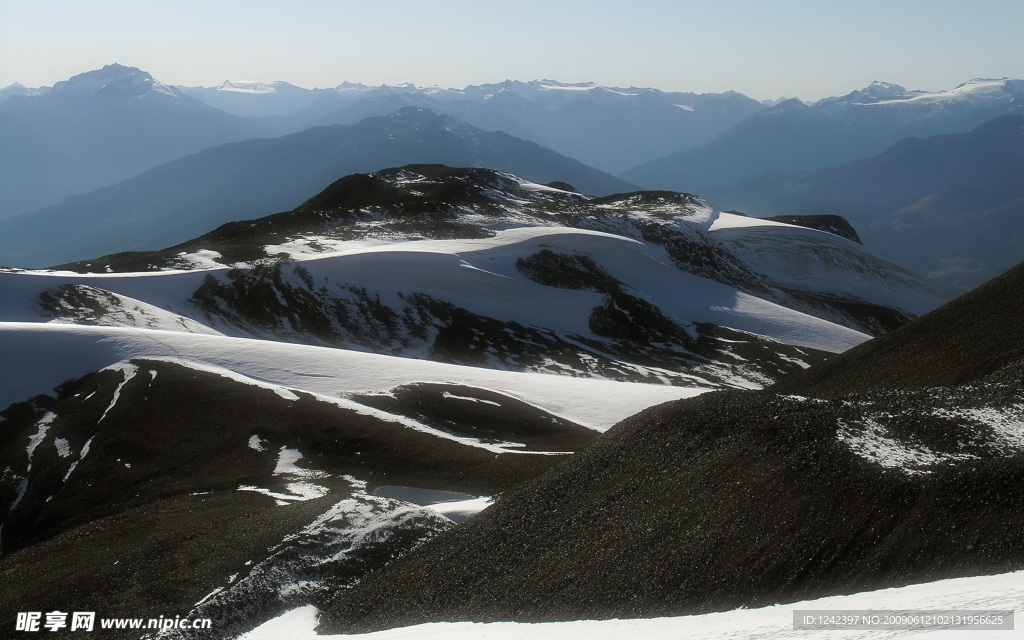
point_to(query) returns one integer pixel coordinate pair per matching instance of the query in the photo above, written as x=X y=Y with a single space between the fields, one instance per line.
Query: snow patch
x=129 y=370
x=297 y=489
x=256 y=443
x=868 y=440
x=81 y=456
x=479 y=400
x=22 y=490
x=296 y=492
x=63 y=448
x=35 y=440
x=1007 y=424
x=286 y=459
x=204 y=259
x=462 y=510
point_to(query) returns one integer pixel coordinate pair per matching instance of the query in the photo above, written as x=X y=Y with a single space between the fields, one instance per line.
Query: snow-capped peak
x=114 y=80
x=18 y=89
x=351 y=86
x=554 y=85
x=881 y=90
x=974 y=91
x=249 y=86
x=874 y=93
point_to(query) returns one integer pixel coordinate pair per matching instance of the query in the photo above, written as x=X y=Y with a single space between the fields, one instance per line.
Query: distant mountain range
x=102 y=127
x=107 y=125
x=99 y=128
x=793 y=136
x=607 y=127
x=189 y=196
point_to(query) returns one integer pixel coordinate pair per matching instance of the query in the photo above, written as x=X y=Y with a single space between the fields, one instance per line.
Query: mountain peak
x=421 y=117
x=114 y=81
x=879 y=88
x=877 y=91
x=252 y=86
x=786 y=107
x=18 y=89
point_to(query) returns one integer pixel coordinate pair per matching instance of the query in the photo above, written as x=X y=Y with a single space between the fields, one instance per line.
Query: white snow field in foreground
x=42 y=356
x=1000 y=592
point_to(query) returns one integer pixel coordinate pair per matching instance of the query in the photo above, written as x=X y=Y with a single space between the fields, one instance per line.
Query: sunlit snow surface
x=476 y=274
x=369 y=287
x=979 y=89
x=818 y=261
x=1001 y=592
x=50 y=354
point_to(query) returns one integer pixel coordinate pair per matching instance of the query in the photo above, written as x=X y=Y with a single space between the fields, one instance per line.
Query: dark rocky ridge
x=752 y=498
x=151 y=519
x=836 y=225
x=970 y=337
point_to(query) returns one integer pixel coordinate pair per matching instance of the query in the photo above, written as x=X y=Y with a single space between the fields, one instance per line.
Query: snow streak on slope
x=326 y=555
x=1001 y=592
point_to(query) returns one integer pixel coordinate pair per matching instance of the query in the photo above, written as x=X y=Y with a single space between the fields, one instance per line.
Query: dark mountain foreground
x=149 y=483
x=872 y=471
x=977 y=335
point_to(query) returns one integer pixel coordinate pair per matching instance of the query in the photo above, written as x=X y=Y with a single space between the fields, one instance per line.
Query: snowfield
x=476 y=274
x=49 y=354
x=815 y=260
x=1000 y=592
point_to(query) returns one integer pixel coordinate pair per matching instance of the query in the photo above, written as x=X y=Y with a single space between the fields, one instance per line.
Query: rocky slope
x=886 y=472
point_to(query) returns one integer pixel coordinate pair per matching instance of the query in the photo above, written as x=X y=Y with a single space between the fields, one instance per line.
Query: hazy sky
x=763 y=48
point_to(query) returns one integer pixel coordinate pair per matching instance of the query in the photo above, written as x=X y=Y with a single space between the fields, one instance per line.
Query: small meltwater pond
x=457 y=507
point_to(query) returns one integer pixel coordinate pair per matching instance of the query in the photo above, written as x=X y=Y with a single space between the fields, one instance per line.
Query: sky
x=763 y=48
